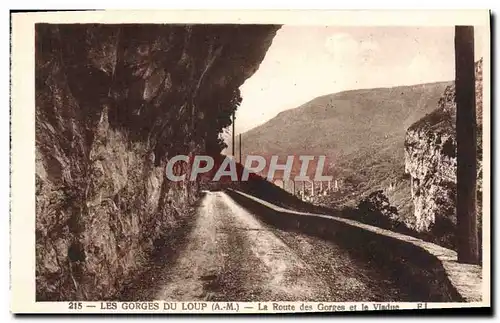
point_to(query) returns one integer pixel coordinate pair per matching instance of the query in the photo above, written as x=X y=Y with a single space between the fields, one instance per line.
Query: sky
x=304 y=62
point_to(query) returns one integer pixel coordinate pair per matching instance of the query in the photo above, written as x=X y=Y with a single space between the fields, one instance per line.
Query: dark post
x=467 y=240
x=232 y=142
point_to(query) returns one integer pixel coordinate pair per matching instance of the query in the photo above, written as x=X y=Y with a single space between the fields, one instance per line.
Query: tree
x=467 y=239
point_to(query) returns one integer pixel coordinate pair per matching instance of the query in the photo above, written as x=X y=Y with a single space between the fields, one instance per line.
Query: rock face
x=113 y=104
x=430 y=160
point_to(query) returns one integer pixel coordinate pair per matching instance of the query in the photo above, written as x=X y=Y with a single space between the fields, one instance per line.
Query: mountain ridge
x=344 y=92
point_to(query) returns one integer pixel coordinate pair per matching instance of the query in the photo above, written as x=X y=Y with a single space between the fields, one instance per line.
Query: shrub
x=377 y=210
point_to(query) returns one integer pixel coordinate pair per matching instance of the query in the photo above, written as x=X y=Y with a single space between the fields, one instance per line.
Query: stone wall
x=113 y=104
x=427 y=272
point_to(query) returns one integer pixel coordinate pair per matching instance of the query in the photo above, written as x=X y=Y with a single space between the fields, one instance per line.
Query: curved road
x=229 y=255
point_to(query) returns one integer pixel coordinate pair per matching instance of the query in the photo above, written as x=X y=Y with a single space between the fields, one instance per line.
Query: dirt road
x=230 y=255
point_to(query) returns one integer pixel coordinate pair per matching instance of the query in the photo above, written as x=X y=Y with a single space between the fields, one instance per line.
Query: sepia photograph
x=288 y=166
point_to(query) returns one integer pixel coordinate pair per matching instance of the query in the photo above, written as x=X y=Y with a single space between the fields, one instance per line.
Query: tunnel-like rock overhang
x=113 y=103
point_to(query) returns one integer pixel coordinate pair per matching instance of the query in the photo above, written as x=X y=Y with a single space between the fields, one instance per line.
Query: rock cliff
x=430 y=160
x=113 y=104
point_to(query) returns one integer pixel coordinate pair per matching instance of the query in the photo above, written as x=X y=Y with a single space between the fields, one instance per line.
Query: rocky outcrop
x=113 y=104
x=430 y=160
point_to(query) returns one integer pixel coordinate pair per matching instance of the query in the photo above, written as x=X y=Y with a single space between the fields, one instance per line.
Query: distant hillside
x=361 y=131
